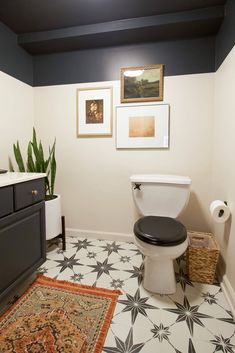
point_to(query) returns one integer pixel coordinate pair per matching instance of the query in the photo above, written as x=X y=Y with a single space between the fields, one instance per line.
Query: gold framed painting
x=142 y=126
x=94 y=112
x=142 y=84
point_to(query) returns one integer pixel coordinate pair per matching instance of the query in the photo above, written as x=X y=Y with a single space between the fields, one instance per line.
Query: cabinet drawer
x=28 y=193
x=6 y=200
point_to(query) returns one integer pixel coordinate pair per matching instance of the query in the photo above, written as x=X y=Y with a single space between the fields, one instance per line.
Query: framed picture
x=94 y=112
x=142 y=126
x=142 y=84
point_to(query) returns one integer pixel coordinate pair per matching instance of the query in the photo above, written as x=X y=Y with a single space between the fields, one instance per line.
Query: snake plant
x=37 y=163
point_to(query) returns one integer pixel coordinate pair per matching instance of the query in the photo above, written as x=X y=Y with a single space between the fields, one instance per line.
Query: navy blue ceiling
x=49 y=26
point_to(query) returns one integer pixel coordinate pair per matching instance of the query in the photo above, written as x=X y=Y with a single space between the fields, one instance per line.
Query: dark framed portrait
x=94 y=111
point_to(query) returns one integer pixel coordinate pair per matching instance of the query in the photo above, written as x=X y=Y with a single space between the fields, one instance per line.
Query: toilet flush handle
x=137 y=186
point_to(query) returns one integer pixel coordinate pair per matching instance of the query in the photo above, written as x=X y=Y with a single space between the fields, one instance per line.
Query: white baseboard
x=99 y=235
x=228 y=291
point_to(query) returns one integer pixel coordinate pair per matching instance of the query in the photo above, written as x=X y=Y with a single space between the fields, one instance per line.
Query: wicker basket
x=202 y=257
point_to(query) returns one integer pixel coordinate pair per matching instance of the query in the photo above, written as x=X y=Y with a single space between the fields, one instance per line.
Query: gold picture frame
x=94 y=111
x=142 y=83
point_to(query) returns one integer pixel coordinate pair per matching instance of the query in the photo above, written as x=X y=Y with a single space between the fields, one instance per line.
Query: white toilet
x=158 y=235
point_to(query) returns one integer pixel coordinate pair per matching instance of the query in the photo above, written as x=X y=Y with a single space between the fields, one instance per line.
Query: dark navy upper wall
x=185 y=56
x=13 y=59
x=179 y=57
x=102 y=64
x=225 y=39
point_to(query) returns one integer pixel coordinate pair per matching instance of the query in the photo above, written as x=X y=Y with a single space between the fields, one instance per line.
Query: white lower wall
x=16 y=116
x=224 y=166
x=93 y=177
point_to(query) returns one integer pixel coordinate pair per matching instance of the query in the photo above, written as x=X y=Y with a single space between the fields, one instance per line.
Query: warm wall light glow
x=133 y=73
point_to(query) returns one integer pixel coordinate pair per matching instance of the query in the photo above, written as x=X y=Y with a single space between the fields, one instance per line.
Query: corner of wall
x=225 y=39
x=227 y=289
x=14 y=60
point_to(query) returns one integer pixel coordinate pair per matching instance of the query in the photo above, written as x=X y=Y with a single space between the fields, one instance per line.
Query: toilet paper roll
x=219 y=211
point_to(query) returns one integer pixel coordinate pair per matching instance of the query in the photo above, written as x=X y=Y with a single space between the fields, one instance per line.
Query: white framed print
x=142 y=126
x=94 y=112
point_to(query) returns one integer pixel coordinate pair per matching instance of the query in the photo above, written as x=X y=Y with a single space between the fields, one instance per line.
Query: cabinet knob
x=34 y=192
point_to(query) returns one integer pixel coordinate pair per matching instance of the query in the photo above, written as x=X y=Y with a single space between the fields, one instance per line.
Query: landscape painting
x=142 y=84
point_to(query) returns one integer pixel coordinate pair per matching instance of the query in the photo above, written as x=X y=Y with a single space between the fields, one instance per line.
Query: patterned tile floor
x=196 y=319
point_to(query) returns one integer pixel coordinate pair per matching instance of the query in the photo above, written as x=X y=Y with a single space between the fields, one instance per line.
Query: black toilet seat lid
x=162 y=231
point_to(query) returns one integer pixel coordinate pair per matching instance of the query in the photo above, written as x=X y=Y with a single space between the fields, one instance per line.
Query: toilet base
x=159 y=275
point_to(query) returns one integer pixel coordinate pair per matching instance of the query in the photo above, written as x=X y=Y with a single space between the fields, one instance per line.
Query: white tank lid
x=160 y=178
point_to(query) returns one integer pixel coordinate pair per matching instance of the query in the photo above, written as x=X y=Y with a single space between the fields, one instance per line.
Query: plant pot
x=53 y=217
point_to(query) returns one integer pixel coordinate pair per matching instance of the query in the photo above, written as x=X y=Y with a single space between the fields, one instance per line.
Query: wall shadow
x=194 y=217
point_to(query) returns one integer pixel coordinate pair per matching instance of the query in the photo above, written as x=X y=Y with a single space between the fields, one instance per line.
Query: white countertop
x=11 y=178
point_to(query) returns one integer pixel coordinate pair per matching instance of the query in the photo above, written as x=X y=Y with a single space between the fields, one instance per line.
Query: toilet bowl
x=160 y=199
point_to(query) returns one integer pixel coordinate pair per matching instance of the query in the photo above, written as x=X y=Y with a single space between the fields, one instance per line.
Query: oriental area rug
x=56 y=316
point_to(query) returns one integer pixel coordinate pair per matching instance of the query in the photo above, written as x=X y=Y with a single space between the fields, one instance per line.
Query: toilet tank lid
x=160 y=178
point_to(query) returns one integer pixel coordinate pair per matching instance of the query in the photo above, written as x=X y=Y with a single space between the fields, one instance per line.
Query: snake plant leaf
x=34 y=142
x=47 y=185
x=49 y=158
x=43 y=166
x=36 y=151
x=18 y=157
x=30 y=162
x=53 y=169
x=41 y=158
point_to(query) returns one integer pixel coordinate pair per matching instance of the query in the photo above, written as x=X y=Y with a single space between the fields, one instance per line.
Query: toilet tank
x=160 y=195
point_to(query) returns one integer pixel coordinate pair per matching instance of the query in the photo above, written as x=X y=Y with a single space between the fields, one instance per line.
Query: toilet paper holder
x=221 y=212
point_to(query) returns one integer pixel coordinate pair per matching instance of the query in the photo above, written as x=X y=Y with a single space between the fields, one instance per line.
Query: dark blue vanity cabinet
x=22 y=232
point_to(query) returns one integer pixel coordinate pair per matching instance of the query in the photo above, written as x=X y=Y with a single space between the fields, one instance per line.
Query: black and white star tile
x=196 y=319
